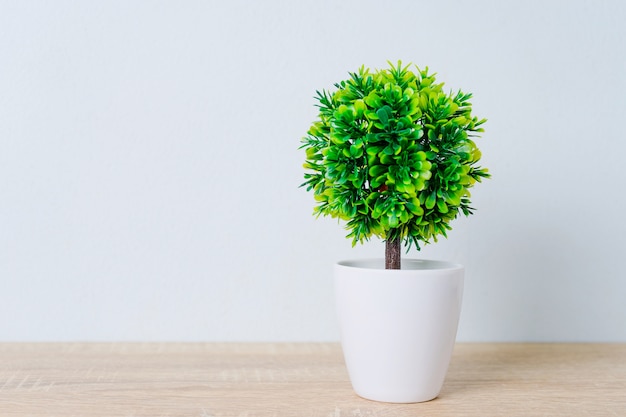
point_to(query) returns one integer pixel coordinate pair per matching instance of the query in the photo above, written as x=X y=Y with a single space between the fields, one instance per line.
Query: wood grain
x=237 y=380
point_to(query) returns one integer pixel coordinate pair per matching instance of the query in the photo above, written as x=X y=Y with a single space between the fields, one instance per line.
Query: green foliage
x=392 y=155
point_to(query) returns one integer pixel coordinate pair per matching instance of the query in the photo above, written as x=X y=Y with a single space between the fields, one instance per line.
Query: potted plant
x=392 y=154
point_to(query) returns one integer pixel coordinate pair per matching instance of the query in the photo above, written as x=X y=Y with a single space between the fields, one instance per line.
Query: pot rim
x=408 y=265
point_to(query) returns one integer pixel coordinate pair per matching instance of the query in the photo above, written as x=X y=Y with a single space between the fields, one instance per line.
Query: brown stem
x=392 y=253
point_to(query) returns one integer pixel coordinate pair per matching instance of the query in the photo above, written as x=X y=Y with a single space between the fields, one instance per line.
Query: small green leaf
x=384 y=114
x=415 y=208
x=373 y=150
x=356 y=151
x=359 y=107
x=389 y=150
x=387 y=159
x=373 y=100
x=430 y=200
x=377 y=170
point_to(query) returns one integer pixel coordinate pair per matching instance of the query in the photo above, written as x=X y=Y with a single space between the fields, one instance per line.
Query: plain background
x=149 y=165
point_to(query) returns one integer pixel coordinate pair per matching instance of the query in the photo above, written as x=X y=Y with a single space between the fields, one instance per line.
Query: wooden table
x=215 y=380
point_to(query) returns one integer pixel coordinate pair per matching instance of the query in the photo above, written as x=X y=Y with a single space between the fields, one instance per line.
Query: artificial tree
x=392 y=155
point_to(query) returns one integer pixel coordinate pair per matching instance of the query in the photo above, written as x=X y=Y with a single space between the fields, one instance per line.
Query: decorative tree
x=392 y=155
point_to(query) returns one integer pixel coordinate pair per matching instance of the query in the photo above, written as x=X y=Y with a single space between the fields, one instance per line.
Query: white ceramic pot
x=398 y=327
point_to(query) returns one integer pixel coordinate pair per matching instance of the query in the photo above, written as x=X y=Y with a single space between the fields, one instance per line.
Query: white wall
x=149 y=167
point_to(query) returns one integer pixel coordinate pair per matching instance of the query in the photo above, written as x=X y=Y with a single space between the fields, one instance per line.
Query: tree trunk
x=392 y=253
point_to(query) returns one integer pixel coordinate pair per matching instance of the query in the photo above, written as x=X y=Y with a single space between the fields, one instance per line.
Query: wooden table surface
x=221 y=379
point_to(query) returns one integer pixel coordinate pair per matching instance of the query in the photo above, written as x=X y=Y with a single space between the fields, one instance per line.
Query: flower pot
x=398 y=327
